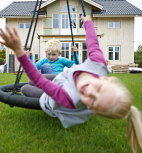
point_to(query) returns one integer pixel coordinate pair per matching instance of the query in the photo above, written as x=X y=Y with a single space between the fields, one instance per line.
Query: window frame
x=114 y=27
x=114 y=53
x=70 y=44
x=84 y=50
x=56 y=19
x=80 y=21
x=24 y=25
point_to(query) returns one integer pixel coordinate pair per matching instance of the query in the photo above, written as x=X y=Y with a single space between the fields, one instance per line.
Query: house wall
x=23 y=36
x=123 y=37
x=55 y=8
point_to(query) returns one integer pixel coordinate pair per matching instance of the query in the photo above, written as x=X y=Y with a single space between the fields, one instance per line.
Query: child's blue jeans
x=47 y=69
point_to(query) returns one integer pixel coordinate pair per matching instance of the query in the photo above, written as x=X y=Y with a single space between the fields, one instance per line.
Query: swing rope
x=18 y=77
x=83 y=9
x=71 y=29
x=84 y=14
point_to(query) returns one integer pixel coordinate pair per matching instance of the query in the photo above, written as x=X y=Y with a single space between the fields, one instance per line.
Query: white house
x=113 y=21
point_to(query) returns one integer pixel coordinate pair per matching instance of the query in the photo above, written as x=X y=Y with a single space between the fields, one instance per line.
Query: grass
x=32 y=131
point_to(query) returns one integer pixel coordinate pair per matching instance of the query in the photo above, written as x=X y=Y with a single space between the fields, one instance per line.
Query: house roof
x=20 y=8
x=117 y=7
x=110 y=7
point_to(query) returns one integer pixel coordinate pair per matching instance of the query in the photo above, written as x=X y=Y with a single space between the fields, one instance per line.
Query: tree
x=138 y=54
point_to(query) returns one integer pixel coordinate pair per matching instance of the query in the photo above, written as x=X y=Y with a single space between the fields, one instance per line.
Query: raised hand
x=12 y=40
x=85 y=18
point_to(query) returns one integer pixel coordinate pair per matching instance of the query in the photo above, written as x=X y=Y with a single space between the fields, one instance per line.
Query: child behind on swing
x=74 y=95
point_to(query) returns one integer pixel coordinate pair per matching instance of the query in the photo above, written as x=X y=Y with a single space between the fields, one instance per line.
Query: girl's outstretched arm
x=12 y=41
x=94 y=51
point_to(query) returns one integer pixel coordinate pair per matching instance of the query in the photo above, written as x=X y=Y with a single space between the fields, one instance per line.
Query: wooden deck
x=120 y=69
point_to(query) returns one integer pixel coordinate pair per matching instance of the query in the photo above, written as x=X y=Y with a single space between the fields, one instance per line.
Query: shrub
x=2 y=54
x=2 y=61
x=138 y=53
x=138 y=62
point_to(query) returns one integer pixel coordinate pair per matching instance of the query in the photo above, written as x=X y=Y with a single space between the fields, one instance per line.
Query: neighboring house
x=113 y=21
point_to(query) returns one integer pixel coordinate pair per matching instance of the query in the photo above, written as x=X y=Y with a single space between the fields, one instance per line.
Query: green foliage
x=32 y=131
x=3 y=54
x=2 y=61
x=138 y=62
x=138 y=54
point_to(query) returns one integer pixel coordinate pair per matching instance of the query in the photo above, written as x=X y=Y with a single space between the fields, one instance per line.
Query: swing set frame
x=10 y=94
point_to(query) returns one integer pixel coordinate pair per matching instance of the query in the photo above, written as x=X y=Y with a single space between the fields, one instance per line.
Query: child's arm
x=30 y=55
x=40 y=63
x=94 y=52
x=68 y=63
x=73 y=53
x=12 y=41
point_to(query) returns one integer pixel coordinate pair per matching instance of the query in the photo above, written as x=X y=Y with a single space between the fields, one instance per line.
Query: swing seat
x=17 y=99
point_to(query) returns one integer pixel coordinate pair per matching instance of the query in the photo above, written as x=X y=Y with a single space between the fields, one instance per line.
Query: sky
x=138 y=20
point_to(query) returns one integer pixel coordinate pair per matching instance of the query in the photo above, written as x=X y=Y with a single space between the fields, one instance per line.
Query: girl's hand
x=12 y=41
x=86 y=18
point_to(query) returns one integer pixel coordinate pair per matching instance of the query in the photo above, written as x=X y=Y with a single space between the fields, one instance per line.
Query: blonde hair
x=53 y=45
x=125 y=110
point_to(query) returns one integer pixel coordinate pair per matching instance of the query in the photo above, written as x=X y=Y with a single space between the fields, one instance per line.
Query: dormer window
x=71 y=8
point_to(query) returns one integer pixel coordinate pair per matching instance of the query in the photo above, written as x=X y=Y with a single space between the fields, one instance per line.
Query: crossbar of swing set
x=84 y=14
x=18 y=77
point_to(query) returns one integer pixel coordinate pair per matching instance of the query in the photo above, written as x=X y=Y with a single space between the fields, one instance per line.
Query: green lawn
x=32 y=131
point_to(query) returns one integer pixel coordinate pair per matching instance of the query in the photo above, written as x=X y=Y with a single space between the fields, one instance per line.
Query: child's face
x=52 y=56
x=98 y=94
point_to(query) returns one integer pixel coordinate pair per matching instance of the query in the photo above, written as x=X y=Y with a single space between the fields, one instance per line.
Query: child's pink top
x=53 y=90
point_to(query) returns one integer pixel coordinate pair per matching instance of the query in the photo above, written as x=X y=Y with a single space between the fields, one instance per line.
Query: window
x=65 y=20
x=21 y=25
x=115 y=25
x=24 y=25
x=73 y=20
x=27 y=25
x=55 y=20
x=81 y=24
x=84 y=52
x=114 y=53
x=66 y=50
x=71 y=8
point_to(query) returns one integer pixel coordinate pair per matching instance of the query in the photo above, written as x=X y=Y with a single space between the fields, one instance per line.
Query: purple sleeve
x=53 y=90
x=94 y=52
